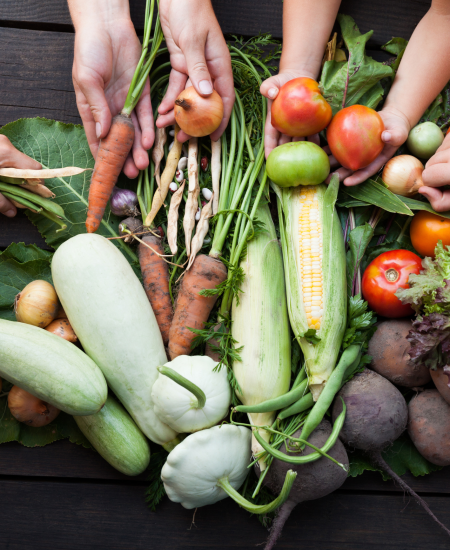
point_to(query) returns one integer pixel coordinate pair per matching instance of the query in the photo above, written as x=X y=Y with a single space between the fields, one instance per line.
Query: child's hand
x=270 y=88
x=396 y=132
x=10 y=157
x=437 y=174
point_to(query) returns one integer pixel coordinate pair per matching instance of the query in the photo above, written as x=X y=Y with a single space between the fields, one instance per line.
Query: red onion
x=204 y=164
x=123 y=202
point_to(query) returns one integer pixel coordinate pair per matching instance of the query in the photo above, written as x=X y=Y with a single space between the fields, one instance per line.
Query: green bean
x=23 y=202
x=313 y=456
x=54 y=219
x=277 y=402
x=47 y=204
x=300 y=377
x=331 y=388
x=303 y=404
x=13 y=181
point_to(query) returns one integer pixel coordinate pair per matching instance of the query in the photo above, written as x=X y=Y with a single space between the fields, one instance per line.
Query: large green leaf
x=56 y=145
x=357 y=80
x=372 y=192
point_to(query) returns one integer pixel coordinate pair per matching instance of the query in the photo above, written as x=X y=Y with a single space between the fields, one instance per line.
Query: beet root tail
x=283 y=513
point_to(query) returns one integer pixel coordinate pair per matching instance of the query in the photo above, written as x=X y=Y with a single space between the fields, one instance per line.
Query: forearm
x=100 y=11
x=415 y=85
x=307 y=25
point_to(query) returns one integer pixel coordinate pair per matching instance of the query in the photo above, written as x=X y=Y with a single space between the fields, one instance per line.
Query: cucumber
x=116 y=437
x=50 y=368
x=113 y=319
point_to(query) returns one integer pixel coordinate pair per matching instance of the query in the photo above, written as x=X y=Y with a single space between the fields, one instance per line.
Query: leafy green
x=357 y=80
x=415 y=204
x=155 y=491
x=359 y=239
x=395 y=46
x=57 y=145
x=373 y=192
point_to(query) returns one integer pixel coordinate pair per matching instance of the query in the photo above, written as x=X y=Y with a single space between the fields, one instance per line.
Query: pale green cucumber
x=115 y=436
x=50 y=368
x=112 y=317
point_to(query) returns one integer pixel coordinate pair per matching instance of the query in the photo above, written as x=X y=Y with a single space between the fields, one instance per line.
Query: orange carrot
x=111 y=157
x=192 y=310
x=156 y=283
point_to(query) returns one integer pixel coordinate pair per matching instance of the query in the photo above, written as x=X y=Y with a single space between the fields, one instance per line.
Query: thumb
x=395 y=133
x=270 y=87
x=197 y=68
x=96 y=100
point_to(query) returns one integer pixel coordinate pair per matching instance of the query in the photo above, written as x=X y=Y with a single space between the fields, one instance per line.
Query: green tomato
x=298 y=163
x=424 y=139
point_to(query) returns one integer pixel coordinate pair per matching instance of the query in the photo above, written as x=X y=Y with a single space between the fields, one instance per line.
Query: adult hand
x=437 y=174
x=270 y=88
x=105 y=58
x=10 y=157
x=198 y=52
x=396 y=132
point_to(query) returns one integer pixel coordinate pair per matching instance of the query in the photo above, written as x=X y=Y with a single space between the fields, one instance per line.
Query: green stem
x=54 y=219
x=186 y=384
x=276 y=403
x=225 y=484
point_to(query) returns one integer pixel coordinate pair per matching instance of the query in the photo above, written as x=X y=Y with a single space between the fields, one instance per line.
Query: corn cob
x=314 y=262
x=261 y=325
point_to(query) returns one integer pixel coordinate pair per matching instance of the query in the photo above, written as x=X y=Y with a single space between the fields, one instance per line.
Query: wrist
x=105 y=13
x=298 y=67
x=393 y=111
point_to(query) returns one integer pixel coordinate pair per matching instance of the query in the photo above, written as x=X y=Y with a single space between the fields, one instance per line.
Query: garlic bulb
x=403 y=175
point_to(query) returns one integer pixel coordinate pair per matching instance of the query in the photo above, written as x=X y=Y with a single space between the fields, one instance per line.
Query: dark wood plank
x=386 y=17
x=19 y=230
x=69 y=516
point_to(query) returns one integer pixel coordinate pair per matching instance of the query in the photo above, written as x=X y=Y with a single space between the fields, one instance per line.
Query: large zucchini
x=50 y=368
x=116 y=438
x=112 y=317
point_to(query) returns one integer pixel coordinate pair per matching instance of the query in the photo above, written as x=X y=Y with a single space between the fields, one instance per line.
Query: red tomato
x=300 y=110
x=384 y=276
x=426 y=230
x=354 y=136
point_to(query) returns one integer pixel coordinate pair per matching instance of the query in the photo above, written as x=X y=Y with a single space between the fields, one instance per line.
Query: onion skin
x=29 y=409
x=198 y=116
x=63 y=329
x=403 y=175
x=37 y=304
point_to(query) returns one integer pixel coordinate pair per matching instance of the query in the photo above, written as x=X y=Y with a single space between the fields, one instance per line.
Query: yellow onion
x=196 y=115
x=29 y=409
x=62 y=328
x=403 y=175
x=37 y=304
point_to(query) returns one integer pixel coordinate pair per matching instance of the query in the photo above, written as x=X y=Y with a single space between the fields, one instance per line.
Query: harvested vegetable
x=193 y=194
x=440 y=377
x=155 y=275
x=127 y=226
x=200 y=232
x=124 y=202
x=300 y=110
x=50 y=368
x=63 y=329
x=29 y=409
x=298 y=163
x=389 y=349
x=403 y=175
x=196 y=115
x=172 y=218
x=197 y=479
x=315 y=271
x=314 y=479
x=190 y=394
x=115 y=436
x=39 y=189
x=424 y=140
x=37 y=304
x=426 y=230
x=158 y=152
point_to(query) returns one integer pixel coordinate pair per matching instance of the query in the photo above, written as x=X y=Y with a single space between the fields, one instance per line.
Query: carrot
x=156 y=283
x=192 y=310
x=111 y=157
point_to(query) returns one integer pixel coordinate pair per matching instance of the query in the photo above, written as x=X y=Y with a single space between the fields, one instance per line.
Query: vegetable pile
x=224 y=309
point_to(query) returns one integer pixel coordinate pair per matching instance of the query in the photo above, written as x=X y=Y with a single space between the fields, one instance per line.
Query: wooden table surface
x=66 y=497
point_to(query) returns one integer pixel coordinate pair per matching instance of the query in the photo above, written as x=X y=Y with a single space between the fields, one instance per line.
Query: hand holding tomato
x=437 y=174
x=384 y=276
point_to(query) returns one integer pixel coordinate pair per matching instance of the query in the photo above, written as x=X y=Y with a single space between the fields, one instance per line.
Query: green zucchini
x=51 y=368
x=115 y=436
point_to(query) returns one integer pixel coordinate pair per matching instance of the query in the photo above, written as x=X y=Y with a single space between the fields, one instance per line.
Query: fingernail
x=98 y=129
x=386 y=136
x=10 y=213
x=205 y=87
x=272 y=92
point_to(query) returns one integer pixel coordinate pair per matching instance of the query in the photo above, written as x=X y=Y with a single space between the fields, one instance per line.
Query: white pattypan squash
x=195 y=467
x=189 y=395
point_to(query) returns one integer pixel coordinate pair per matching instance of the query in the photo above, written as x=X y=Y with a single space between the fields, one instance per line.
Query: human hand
x=105 y=58
x=396 y=131
x=198 y=52
x=437 y=174
x=10 y=157
x=270 y=88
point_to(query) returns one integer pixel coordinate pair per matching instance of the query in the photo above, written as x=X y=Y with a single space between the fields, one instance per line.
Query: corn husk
x=321 y=357
x=261 y=325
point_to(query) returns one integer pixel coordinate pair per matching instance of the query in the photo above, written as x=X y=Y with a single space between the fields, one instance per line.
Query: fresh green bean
x=276 y=403
x=313 y=456
x=303 y=404
x=55 y=219
x=13 y=181
x=23 y=202
x=331 y=388
x=47 y=204
x=300 y=377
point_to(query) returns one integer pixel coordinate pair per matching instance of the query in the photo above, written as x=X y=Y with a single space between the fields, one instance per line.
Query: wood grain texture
x=70 y=516
x=19 y=230
x=247 y=17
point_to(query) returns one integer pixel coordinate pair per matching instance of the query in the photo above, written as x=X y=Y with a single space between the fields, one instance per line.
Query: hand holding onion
x=198 y=116
x=403 y=175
